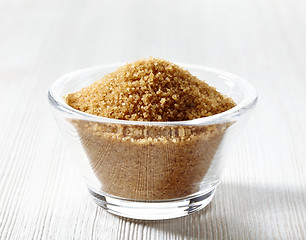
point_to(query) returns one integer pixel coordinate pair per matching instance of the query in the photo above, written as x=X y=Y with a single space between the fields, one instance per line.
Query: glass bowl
x=151 y=170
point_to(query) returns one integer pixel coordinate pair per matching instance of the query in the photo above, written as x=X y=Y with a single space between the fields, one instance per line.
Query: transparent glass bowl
x=151 y=170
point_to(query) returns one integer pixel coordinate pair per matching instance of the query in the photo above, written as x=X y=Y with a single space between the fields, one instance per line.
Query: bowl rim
x=247 y=103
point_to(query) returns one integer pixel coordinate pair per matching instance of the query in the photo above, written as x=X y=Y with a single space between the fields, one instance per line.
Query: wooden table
x=263 y=189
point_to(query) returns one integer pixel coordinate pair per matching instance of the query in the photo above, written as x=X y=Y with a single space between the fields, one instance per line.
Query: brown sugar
x=150 y=162
x=150 y=90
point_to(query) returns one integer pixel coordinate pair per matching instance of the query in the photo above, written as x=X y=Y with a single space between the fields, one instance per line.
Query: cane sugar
x=150 y=162
x=150 y=90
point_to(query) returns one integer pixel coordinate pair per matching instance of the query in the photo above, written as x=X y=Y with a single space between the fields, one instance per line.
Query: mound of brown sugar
x=148 y=162
x=150 y=90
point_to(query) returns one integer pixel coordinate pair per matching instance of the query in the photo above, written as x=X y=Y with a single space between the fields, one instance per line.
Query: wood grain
x=263 y=190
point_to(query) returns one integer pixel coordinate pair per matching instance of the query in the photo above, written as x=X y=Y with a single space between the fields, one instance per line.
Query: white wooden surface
x=263 y=190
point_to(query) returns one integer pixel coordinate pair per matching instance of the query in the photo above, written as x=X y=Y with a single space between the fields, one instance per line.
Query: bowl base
x=153 y=210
